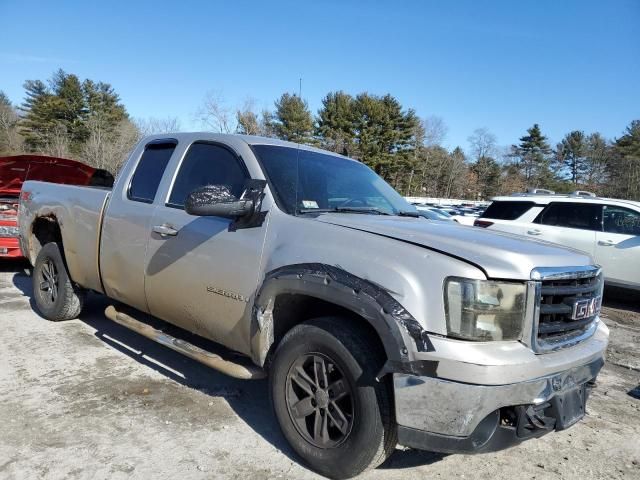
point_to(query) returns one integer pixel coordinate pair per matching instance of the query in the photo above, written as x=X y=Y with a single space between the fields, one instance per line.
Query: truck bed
x=78 y=210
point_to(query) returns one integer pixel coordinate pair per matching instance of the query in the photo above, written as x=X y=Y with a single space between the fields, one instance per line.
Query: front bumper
x=447 y=416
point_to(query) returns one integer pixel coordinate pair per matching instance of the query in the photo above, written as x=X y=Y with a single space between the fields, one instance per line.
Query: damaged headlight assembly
x=484 y=310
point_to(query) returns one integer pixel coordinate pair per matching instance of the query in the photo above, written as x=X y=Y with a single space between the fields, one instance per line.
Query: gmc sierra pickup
x=375 y=326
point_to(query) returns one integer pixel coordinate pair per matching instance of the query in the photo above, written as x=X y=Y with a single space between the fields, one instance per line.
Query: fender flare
x=399 y=331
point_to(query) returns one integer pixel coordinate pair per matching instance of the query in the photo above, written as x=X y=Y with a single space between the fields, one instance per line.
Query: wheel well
x=44 y=230
x=291 y=309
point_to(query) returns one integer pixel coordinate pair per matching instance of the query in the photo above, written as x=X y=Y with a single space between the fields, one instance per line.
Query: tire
x=56 y=297
x=357 y=430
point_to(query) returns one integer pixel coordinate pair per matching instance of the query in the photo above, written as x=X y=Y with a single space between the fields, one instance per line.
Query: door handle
x=165 y=230
x=534 y=232
x=606 y=243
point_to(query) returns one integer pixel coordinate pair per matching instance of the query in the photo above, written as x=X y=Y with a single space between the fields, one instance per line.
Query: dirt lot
x=88 y=399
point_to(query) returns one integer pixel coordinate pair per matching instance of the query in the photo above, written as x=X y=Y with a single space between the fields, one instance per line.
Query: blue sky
x=501 y=65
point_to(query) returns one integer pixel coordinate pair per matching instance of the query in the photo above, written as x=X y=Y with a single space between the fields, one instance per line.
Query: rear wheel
x=327 y=401
x=56 y=297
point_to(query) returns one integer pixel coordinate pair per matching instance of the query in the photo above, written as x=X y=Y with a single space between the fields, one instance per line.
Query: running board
x=236 y=370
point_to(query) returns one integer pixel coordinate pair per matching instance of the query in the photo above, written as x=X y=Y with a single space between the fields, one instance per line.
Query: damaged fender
x=399 y=331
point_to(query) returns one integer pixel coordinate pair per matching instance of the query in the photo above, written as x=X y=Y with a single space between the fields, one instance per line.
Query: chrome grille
x=567 y=307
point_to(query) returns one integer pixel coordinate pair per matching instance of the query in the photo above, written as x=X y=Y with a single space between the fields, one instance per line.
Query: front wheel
x=333 y=412
x=56 y=297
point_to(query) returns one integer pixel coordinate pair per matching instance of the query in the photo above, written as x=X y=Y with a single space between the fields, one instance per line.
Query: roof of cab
x=234 y=137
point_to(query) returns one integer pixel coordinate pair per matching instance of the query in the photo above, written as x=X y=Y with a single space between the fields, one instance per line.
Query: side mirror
x=218 y=201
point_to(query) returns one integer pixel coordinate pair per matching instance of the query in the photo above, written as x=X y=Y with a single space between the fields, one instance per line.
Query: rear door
x=127 y=222
x=618 y=245
x=200 y=274
x=572 y=224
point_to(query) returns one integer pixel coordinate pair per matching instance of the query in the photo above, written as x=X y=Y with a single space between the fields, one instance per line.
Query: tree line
x=86 y=120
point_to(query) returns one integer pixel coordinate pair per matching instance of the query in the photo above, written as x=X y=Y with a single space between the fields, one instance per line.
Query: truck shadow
x=247 y=398
x=11 y=265
x=621 y=298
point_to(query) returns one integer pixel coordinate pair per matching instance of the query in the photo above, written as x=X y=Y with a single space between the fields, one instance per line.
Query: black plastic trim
x=391 y=321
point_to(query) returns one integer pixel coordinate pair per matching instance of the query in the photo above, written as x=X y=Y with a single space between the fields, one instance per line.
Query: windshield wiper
x=344 y=210
x=408 y=213
x=377 y=211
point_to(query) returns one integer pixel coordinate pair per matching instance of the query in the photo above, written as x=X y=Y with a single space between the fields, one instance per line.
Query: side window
x=146 y=179
x=583 y=216
x=207 y=164
x=507 y=210
x=621 y=220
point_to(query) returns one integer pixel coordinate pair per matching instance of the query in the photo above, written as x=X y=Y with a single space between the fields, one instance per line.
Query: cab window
x=207 y=164
x=146 y=179
x=582 y=216
x=620 y=220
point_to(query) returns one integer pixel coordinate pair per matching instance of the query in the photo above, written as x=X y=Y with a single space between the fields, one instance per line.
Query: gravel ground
x=88 y=399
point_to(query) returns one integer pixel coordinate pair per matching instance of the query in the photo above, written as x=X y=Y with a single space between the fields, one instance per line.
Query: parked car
x=607 y=229
x=431 y=213
x=14 y=170
x=374 y=326
x=459 y=215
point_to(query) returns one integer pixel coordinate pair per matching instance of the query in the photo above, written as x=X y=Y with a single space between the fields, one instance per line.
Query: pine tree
x=571 y=153
x=625 y=165
x=487 y=173
x=335 y=123
x=533 y=152
x=59 y=117
x=383 y=134
x=597 y=155
x=292 y=119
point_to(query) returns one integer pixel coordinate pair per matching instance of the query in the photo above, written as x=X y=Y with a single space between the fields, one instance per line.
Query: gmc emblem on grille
x=586 y=308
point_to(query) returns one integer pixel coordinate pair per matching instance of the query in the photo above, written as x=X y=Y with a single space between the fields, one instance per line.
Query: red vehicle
x=15 y=170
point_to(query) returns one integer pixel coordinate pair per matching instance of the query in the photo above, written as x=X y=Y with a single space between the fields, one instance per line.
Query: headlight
x=484 y=310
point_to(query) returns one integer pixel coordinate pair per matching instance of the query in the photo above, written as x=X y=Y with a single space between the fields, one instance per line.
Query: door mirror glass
x=217 y=201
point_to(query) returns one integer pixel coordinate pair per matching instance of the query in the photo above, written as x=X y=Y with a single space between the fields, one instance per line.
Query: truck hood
x=17 y=169
x=499 y=255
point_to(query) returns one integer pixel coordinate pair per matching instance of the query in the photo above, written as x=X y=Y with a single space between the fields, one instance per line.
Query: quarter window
x=583 y=216
x=507 y=210
x=146 y=179
x=207 y=164
x=621 y=220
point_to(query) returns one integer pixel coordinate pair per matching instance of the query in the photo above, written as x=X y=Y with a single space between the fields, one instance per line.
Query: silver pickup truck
x=376 y=327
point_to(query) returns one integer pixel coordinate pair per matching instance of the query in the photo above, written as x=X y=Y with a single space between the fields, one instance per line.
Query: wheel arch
x=44 y=229
x=292 y=294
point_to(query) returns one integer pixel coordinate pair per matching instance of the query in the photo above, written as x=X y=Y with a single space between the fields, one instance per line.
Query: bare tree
x=214 y=114
x=153 y=125
x=56 y=141
x=248 y=121
x=10 y=139
x=107 y=148
x=483 y=143
x=435 y=130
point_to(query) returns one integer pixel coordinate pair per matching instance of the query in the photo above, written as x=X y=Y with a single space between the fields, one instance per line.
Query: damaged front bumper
x=447 y=416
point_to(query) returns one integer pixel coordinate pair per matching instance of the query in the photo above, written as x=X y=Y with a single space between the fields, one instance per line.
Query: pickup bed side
x=72 y=214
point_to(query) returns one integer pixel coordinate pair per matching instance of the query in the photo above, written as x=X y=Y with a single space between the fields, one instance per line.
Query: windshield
x=308 y=182
x=441 y=214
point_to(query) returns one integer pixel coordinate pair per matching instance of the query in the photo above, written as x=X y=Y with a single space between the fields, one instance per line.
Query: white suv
x=607 y=229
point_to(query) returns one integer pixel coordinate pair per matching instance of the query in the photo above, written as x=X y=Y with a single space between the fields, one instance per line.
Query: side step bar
x=244 y=372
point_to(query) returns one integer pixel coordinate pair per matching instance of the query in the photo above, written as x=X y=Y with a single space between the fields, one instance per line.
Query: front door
x=199 y=274
x=618 y=245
